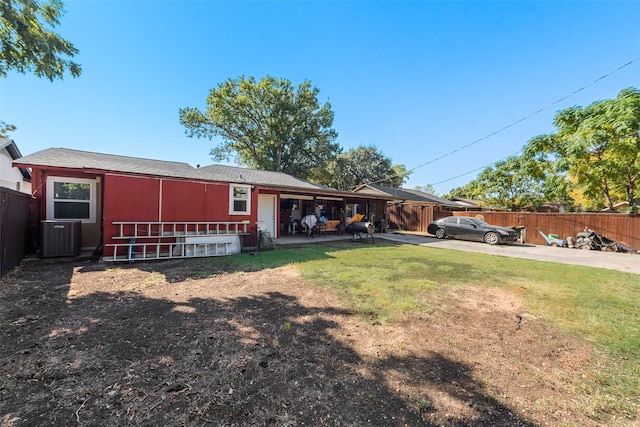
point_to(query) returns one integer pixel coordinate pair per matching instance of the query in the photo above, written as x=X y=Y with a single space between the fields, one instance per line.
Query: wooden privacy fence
x=14 y=228
x=409 y=217
x=623 y=228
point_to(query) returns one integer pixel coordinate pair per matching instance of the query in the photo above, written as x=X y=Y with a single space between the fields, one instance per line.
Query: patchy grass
x=229 y=340
x=386 y=281
x=597 y=305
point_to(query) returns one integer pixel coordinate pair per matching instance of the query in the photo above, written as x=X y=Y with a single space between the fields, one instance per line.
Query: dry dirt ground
x=89 y=343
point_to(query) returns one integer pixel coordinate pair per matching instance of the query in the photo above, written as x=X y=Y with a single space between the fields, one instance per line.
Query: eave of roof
x=14 y=152
x=63 y=158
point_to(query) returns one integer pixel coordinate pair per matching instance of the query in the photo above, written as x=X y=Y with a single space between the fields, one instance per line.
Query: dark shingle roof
x=431 y=197
x=85 y=160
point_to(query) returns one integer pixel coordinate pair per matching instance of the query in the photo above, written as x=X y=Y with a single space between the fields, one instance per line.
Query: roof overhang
x=12 y=149
x=47 y=160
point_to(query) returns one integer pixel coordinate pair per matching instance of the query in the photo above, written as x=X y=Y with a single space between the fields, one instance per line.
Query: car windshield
x=479 y=221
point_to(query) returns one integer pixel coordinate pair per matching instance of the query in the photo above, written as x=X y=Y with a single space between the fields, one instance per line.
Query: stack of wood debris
x=590 y=240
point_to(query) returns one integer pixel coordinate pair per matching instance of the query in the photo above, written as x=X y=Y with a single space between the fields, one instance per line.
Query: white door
x=267 y=213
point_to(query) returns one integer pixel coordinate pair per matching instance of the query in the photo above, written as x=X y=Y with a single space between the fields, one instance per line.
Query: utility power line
x=478 y=169
x=507 y=127
x=519 y=151
x=524 y=118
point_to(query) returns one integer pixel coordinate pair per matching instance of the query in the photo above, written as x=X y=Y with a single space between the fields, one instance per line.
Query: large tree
x=28 y=43
x=427 y=188
x=267 y=124
x=501 y=185
x=363 y=165
x=517 y=183
x=598 y=147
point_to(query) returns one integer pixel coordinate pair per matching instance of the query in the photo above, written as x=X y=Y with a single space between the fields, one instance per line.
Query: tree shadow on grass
x=124 y=359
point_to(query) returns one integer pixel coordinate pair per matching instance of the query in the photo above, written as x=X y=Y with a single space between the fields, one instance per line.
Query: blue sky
x=417 y=80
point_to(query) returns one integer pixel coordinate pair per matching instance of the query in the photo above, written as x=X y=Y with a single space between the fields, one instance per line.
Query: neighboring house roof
x=620 y=205
x=97 y=162
x=404 y=194
x=551 y=207
x=459 y=201
x=431 y=197
x=12 y=149
x=474 y=205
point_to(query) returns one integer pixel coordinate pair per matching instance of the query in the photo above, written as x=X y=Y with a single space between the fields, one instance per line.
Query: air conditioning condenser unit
x=59 y=238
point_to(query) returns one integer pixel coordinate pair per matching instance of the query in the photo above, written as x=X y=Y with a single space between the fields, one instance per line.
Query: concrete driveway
x=627 y=262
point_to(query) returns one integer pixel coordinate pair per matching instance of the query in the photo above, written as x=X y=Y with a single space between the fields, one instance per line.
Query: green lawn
x=383 y=281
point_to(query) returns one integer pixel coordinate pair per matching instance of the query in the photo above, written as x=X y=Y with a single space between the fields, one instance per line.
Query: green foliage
x=516 y=183
x=268 y=125
x=71 y=191
x=471 y=190
x=5 y=129
x=423 y=403
x=362 y=165
x=28 y=43
x=427 y=188
x=400 y=175
x=508 y=185
x=598 y=147
x=593 y=160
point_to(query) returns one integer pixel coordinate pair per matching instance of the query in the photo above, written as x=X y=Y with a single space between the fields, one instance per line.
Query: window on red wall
x=239 y=199
x=71 y=198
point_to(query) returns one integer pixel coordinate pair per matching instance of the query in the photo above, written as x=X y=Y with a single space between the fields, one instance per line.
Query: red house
x=135 y=208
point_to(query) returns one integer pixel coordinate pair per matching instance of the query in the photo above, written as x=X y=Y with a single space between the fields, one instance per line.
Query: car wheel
x=440 y=233
x=492 y=238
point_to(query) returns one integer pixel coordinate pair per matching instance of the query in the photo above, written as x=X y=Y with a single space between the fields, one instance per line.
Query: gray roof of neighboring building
x=410 y=195
x=464 y=202
x=431 y=197
x=90 y=161
x=12 y=149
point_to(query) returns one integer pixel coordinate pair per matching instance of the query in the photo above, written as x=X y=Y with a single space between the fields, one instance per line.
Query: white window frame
x=51 y=180
x=232 y=199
